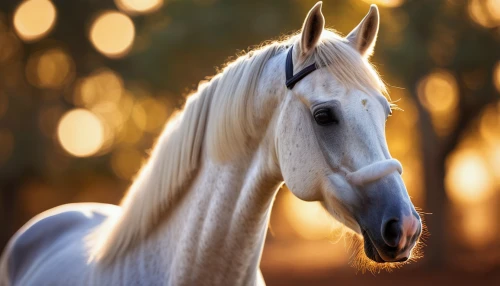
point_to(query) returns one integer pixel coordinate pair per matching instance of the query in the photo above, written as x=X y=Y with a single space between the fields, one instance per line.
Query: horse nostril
x=391 y=232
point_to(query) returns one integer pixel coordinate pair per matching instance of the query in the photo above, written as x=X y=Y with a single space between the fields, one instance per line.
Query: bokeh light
x=438 y=93
x=468 y=178
x=386 y=3
x=139 y=6
x=11 y=46
x=489 y=124
x=33 y=19
x=102 y=85
x=489 y=129
x=52 y=68
x=485 y=12
x=112 y=33
x=112 y=120
x=496 y=76
x=494 y=161
x=308 y=219
x=80 y=133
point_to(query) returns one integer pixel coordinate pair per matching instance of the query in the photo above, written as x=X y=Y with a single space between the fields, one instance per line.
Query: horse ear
x=364 y=36
x=312 y=29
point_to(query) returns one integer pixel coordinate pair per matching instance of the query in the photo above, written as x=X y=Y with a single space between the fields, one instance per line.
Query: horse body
x=197 y=214
x=50 y=247
x=215 y=235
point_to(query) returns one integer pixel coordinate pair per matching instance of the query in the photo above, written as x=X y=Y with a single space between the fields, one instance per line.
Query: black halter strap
x=291 y=79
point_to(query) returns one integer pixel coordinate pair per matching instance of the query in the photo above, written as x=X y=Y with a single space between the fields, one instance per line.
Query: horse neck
x=220 y=225
x=216 y=231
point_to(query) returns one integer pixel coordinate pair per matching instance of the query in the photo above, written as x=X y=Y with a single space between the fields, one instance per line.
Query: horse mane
x=220 y=117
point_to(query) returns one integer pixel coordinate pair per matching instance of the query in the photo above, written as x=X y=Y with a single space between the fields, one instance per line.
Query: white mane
x=220 y=118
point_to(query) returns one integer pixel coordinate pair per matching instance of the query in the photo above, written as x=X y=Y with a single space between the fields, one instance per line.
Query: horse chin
x=370 y=250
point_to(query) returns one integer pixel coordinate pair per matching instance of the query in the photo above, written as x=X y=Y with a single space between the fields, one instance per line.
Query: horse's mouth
x=373 y=253
x=370 y=249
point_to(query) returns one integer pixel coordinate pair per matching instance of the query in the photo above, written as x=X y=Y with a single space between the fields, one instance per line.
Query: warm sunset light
x=468 y=179
x=80 y=133
x=139 y=6
x=53 y=68
x=494 y=160
x=103 y=85
x=489 y=124
x=438 y=93
x=386 y=3
x=478 y=226
x=485 y=12
x=112 y=121
x=34 y=19
x=103 y=93
x=496 y=76
x=112 y=34
x=308 y=219
x=89 y=90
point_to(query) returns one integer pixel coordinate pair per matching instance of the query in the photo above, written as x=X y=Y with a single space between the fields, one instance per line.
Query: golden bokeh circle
x=485 y=12
x=33 y=19
x=103 y=85
x=440 y=94
x=139 y=6
x=80 y=132
x=112 y=34
x=468 y=179
x=52 y=69
x=386 y=3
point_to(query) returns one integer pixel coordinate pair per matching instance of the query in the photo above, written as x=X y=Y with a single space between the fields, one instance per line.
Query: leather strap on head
x=291 y=79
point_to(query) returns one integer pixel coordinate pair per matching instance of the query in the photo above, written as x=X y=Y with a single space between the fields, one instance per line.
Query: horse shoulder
x=44 y=230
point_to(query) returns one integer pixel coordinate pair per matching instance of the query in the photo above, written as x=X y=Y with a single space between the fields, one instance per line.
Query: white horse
x=308 y=111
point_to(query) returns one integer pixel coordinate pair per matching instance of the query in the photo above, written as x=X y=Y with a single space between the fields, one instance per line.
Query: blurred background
x=87 y=85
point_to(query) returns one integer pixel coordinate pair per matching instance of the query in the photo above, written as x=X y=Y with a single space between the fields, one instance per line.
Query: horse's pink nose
x=400 y=233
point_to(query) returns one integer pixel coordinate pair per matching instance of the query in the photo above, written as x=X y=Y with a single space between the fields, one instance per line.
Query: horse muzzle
x=390 y=225
x=394 y=243
x=388 y=221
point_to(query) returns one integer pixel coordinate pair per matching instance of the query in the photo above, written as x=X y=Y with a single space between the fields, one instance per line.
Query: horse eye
x=324 y=117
